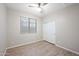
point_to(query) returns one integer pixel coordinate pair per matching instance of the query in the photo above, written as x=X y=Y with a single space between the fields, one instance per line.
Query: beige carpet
x=41 y=48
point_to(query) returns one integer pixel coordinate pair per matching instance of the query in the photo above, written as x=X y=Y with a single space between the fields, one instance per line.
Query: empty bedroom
x=39 y=29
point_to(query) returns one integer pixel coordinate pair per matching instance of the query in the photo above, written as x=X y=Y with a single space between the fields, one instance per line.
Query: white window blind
x=28 y=25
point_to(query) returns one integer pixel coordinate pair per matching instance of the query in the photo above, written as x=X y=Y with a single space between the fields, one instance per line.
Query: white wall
x=3 y=29
x=15 y=38
x=67 y=27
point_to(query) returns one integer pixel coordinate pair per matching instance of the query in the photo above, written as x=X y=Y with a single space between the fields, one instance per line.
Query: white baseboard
x=65 y=48
x=23 y=44
x=68 y=49
x=3 y=53
x=41 y=40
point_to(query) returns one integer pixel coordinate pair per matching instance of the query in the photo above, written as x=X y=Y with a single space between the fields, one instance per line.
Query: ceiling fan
x=38 y=5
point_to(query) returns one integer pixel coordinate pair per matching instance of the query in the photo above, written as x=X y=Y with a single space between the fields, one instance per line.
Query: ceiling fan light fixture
x=39 y=9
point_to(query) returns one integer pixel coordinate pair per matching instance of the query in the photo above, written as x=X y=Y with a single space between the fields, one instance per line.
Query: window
x=27 y=25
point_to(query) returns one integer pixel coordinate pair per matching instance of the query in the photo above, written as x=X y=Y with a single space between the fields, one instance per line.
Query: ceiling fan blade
x=43 y=4
x=31 y=6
